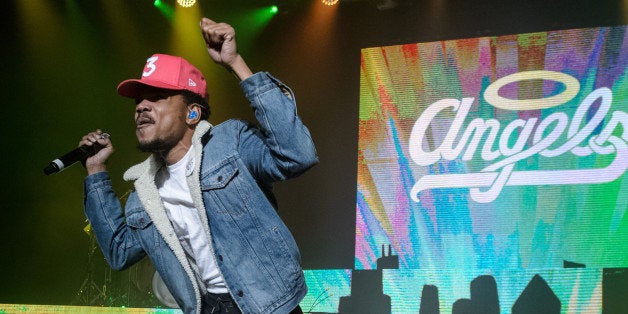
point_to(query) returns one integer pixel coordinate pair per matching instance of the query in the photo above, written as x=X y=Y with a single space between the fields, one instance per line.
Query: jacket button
x=240 y=293
x=219 y=178
x=220 y=258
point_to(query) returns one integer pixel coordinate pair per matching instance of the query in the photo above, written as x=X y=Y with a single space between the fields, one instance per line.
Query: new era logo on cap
x=167 y=72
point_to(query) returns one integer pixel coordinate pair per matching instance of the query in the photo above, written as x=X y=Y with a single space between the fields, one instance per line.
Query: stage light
x=186 y=3
x=261 y=16
x=165 y=9
x=330 y=2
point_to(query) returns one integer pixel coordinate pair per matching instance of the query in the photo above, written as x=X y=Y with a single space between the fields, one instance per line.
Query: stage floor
x=34 y=308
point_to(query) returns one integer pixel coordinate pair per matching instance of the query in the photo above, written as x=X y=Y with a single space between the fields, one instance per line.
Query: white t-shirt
x=175 y=193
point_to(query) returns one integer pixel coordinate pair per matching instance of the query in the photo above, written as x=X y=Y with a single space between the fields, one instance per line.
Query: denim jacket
x=231 y=188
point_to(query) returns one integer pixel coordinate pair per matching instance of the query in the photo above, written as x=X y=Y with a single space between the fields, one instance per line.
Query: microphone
x=79 y=154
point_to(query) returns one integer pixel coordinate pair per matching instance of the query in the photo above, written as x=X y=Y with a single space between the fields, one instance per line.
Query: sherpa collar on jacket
x=144 y=175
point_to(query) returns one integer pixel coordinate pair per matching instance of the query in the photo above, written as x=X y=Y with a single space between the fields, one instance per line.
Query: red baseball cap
x=167 y=72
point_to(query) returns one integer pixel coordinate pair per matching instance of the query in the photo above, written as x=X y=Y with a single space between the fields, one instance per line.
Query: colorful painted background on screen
x=492 y=168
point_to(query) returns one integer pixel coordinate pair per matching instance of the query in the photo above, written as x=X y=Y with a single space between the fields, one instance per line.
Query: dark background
x=61 y=61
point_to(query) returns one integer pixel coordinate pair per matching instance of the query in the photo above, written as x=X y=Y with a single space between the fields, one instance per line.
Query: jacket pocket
x=222 y=190
x=138 y=219
x=219 y=177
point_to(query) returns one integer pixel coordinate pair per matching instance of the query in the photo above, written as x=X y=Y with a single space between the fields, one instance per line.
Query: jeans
x=224 y=304
x=219 y=303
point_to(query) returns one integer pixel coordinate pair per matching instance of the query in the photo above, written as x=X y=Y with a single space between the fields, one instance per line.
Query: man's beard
x=156 y=146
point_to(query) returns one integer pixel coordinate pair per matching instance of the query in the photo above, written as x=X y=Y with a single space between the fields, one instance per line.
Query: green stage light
x=165 y=9
x=250 y=22
x=261 y=16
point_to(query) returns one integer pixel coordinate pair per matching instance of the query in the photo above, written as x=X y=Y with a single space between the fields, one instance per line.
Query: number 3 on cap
x=150 y=66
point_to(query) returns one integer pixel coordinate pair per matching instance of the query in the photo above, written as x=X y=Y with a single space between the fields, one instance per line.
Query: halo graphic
x=572 y=86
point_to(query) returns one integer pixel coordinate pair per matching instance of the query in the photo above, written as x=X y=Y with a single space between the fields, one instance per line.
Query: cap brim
x=131 y=88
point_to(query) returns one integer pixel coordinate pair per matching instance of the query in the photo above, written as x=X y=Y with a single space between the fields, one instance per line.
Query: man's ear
x=194 y=114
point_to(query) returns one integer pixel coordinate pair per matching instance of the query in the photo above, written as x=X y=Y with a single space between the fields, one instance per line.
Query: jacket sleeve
x=106 y=217
x=288 y=149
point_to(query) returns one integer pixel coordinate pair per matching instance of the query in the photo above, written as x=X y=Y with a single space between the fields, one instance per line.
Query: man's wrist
x=240 y=69
x=91 y=169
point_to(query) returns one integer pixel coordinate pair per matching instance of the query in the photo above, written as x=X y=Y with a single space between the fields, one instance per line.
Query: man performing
x=202 y=208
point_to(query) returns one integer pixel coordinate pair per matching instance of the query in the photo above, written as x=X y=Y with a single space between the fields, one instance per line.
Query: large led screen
x=499 y=160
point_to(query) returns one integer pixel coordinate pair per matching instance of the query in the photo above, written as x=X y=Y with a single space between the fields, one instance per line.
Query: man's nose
x=142 y=105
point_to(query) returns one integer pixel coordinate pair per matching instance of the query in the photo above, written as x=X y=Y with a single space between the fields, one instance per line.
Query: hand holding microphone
x=94 y=149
